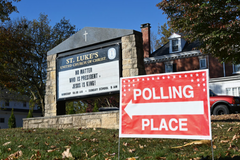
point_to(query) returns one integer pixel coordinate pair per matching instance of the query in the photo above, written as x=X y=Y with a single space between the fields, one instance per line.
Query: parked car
x=223 y=104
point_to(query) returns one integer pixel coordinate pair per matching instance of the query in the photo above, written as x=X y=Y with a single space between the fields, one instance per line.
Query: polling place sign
x=174 y=105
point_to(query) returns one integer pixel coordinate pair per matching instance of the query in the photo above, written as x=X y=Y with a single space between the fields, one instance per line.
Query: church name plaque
x=88 y=73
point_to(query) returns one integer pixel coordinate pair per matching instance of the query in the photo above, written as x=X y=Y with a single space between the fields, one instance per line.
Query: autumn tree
x=214 y=23
x=24 y=46
x=164 y=32
x=6 y=8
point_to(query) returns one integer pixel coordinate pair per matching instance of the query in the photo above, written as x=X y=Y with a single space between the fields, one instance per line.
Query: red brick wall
x=187 y=64
x=192 y=63
x=215 y=67
x=154 y=68
x=228 y=69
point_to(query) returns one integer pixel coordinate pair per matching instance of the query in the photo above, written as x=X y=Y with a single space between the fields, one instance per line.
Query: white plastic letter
x=181 y=124
x=154 y=94
x=136 y=94
x=145 y=124
x=170 y=124
x=144 y=95
x=163 y=97
x=163 y=124
x=190 y=95
x=152 y=127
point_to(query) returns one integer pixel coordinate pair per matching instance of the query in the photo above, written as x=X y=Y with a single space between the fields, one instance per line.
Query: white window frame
x=200 y=64
x=233 y=91
x=234 y=71
x=178 y=44
x=170 y=63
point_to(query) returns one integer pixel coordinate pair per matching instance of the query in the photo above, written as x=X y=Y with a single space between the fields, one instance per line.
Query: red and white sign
x=174 y=105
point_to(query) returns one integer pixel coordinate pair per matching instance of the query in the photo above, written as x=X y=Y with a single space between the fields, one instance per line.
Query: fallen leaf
x=197 y=158
x=53 y=147
x=46 y=144
x=214 y=147
x=67 y=154
x=51 y=150
x=20 y=146
x=9 y=149
x=67 y=147
x=141 y=146
x=195 y=143
x=125 y=143
x=229 y=129
x=15 y=155
x=94 y=155
x=133 y=158
x=86 y=154
x=94 y=140
x=224 y=141
x=131 y=150
x=6 y=143
x=219 y=126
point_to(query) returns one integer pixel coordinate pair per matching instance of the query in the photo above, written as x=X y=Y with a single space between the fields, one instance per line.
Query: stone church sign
x=89 y=64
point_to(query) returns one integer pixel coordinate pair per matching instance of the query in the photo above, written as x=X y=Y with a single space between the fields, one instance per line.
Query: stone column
x=51 y=87
x=132 y=55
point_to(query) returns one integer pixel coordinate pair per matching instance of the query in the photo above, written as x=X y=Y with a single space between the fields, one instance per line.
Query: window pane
x=238 y=91
x=168 y=68
x=203 y=63
x=234 y=91
x=237 y=68
x=174 y=45
x=228 y=91
x=1 y=120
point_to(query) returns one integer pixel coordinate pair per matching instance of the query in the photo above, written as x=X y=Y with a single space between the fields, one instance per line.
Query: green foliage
x=70 y=108
x=12 y=120
x=95 y=108
x=30 y=115
x=74 y=107
x=164 y=32
x=214 y=23
x=23 y=59
x=6 y=8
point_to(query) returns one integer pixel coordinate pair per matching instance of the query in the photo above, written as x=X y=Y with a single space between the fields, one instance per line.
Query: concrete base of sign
x=108 y=120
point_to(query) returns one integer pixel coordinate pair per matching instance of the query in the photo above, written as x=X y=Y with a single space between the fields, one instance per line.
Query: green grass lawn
x=102 y=144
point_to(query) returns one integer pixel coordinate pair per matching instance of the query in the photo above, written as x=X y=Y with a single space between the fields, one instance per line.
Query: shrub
x=30 y=115
x=12 y=121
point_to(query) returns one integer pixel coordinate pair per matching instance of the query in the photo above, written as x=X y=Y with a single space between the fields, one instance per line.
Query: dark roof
x=164 y=50
x=19 y=110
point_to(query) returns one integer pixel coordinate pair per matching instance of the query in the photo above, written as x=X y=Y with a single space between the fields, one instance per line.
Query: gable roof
x=88 y=36
x=164 y=50
x=175 y=35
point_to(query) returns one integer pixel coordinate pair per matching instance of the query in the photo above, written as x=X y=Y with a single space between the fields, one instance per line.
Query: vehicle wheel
x=221 y=109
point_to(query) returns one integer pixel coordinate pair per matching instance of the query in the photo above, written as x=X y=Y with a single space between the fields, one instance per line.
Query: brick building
x=179 y=55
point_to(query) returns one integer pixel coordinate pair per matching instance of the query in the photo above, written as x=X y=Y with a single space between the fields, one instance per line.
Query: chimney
x=146 y=39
